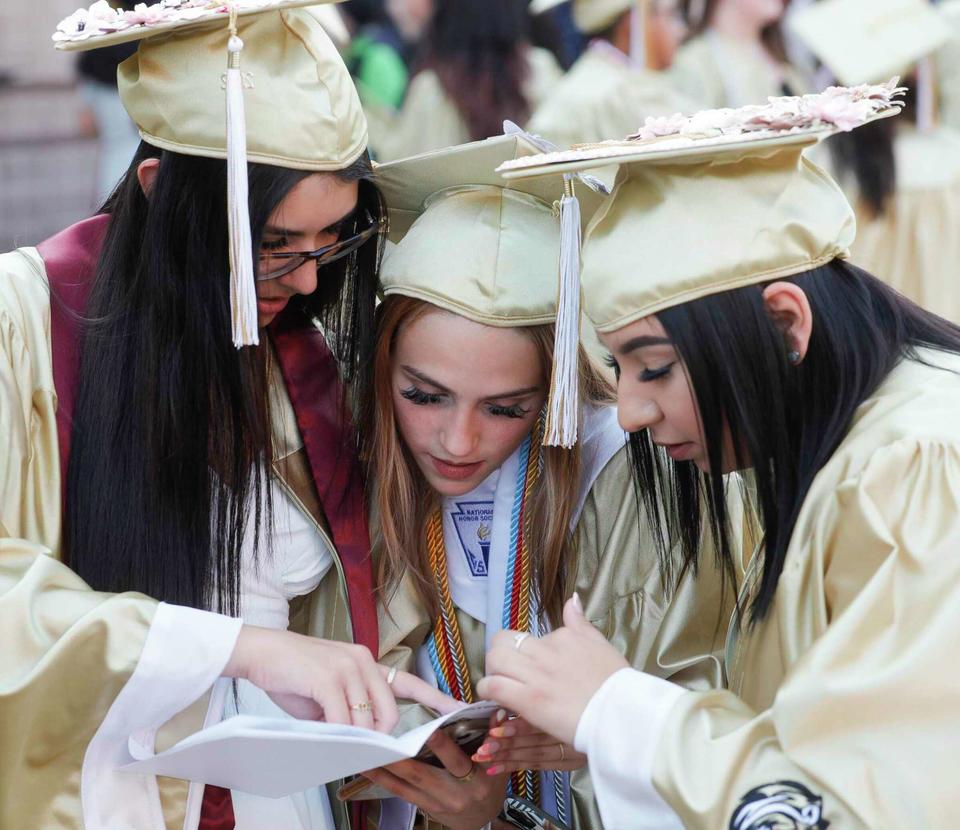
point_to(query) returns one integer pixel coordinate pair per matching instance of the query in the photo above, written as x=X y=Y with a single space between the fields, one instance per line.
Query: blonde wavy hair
x=405 y=500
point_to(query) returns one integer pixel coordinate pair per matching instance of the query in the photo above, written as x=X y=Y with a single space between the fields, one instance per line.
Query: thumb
x=573 y=616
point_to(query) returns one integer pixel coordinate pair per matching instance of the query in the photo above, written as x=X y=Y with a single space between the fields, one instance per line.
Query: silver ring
x=518 y=639
x=391 y=675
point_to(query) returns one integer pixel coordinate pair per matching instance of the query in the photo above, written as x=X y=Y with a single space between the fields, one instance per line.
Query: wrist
x=238 y=666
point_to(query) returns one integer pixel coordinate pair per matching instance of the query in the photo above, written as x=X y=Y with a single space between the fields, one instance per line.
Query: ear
x=146 y=173
x=788 y=307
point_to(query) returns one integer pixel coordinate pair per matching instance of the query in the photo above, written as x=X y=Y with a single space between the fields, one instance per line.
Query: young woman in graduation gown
x=480 y=525
x=476 y=69
x=620 y=79
x=735 y=55
x=176 y=474
x=753 y=343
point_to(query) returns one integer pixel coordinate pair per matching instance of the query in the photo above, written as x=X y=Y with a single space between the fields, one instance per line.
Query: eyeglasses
x=274 y=264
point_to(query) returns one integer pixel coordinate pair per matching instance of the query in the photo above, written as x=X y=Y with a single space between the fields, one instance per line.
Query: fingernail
x=496 y=769
x=504 y=731
x=488 y=748
x=576 y=602
x=501 y=715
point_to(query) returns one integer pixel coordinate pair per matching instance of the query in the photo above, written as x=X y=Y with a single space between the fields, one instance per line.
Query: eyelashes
x=274 y=244
x=655 y=374
x=611 y=363
x=417 y=396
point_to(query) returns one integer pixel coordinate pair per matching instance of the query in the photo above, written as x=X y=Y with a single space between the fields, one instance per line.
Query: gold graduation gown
x=914 y=246
x=67 y=651
x=676 y=637
x=844 y=699
x=429 y=120
x=604 y=97
x=718 y=72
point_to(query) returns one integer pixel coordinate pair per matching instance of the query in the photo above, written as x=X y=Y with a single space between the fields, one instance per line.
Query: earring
x=793 y=357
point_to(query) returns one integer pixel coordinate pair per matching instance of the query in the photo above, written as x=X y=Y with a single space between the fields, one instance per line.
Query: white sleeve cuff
x=619 y=732
x=184 y=653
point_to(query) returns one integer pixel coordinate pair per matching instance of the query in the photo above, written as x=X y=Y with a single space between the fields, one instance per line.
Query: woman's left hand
x=447 y=794
x=549 y=681
x=515 y=745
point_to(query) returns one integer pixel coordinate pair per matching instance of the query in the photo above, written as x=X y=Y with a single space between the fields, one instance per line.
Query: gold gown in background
x=604 y=97
x=914 y=245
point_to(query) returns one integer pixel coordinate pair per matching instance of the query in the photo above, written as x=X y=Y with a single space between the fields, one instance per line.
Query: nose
x=460 y=436
x=302 y=280
x=637 y=415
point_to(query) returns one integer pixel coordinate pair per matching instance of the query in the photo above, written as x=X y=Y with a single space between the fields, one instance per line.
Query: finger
x=358 y=698
x=331 y=698
x=513 y=662
x=524 y=742
x=573 y=616
x=514 y=728
x=454 y=760
x=385 y=714
x=411 y=687
x=402 y=788
x=554 y=756
x=512 y=694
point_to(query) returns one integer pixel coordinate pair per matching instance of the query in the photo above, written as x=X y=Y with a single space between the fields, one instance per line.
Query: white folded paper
x=275 y=757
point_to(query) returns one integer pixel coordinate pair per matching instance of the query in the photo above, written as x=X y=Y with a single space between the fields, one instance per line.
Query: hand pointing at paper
x=319 y=679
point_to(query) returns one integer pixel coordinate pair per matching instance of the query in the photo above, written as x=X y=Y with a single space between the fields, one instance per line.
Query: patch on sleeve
x=473 y=521
x=782 y=805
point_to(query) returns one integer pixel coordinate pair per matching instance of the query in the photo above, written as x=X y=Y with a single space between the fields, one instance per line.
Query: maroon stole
x=313 y=383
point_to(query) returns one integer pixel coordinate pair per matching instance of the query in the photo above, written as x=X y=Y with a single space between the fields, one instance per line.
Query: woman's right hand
x=322 y=679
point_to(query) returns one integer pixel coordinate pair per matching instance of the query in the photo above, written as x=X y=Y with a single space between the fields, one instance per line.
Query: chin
x=451 y=489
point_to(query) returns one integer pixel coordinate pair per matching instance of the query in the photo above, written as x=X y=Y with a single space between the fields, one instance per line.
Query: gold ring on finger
x=365 y=706
x=563 y=753
x=463 y=779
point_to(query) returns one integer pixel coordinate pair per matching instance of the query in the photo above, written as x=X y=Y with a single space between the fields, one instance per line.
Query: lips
x=680 y=452
x=272 y=305
x=455 y=472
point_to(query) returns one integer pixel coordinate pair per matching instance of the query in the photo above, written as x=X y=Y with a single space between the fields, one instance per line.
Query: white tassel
x=243 y=287
x=563 y=405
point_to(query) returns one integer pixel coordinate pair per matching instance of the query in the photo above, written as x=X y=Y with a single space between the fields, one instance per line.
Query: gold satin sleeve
x=67 y=653
x=862 y=731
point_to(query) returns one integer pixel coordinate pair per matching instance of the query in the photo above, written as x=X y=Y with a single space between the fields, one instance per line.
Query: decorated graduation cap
x=501 y=254
x=712 y=202
x=247 y=80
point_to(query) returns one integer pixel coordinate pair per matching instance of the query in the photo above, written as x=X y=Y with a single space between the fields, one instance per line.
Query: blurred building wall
x=47 y=168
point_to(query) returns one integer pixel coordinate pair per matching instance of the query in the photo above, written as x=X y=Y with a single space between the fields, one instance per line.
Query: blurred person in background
x=901 y=174
x=619 y=80
x=104 y=117
x=383 y=45
x=735 y=55
x=477 y=68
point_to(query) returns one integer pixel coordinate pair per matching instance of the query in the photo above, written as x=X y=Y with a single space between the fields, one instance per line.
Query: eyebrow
x=515 y=393
x=290 y=232
x=642 y=341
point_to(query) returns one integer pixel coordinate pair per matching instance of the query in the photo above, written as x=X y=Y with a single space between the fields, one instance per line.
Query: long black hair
x=171 y=439
x=784 y=420
x=479 y=52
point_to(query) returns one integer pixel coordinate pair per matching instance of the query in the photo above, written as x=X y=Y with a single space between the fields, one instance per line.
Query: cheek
x=414 y=423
